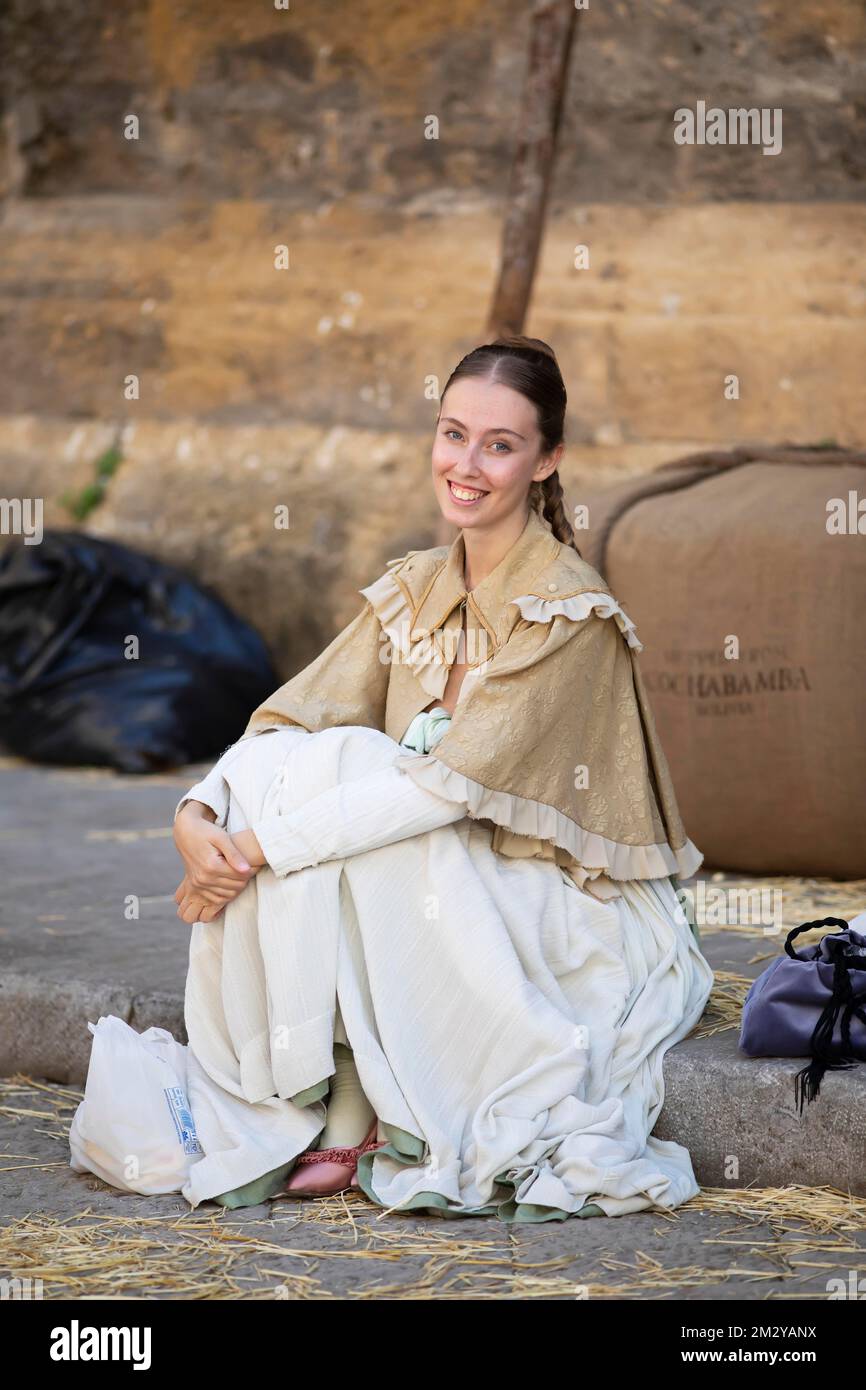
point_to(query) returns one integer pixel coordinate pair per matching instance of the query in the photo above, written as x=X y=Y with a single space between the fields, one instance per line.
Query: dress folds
x=508 y=1027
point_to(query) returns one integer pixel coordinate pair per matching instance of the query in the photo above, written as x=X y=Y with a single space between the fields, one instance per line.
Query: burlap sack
x=767 y=750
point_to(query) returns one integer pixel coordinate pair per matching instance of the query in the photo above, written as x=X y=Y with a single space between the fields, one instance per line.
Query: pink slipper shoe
x=334 y=1169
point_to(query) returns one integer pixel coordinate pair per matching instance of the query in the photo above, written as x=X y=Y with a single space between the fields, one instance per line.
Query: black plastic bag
x=69 y=693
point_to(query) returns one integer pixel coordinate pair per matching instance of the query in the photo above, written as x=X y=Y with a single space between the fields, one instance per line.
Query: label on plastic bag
x=183 y=1122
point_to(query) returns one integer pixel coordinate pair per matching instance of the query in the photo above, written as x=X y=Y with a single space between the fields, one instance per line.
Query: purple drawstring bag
x=811 y=1003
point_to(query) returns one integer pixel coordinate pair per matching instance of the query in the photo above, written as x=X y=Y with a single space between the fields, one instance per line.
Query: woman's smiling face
x=487 y=442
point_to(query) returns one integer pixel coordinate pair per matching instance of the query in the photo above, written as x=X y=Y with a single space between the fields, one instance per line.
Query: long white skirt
x=508 y=1028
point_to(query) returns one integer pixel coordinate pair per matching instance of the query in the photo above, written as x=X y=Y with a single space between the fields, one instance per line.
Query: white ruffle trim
x=534 y=818
x=579 y=606
x=421 y=656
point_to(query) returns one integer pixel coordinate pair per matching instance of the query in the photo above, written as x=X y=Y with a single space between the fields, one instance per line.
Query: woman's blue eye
x=505 y=446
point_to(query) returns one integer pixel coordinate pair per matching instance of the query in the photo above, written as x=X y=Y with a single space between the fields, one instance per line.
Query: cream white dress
x=508 y=1027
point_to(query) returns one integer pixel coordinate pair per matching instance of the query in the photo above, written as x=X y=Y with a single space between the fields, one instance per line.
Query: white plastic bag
x=134 y=1128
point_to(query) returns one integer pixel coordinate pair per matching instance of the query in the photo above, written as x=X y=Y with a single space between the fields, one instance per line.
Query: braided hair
x=529 y=366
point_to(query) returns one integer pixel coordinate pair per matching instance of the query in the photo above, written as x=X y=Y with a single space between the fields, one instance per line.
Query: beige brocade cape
x=552 y=741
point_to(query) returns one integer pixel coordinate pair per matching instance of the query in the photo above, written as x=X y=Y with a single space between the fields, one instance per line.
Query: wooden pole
x=552 y=29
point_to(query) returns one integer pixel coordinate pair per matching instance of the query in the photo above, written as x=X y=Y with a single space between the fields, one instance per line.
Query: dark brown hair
x=529 y=366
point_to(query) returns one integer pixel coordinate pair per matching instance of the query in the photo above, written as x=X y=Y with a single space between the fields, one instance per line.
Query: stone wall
x=309 y=386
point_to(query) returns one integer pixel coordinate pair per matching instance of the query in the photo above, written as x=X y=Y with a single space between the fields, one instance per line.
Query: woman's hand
x=247 y=843
x=192 y=907
x=215 y=866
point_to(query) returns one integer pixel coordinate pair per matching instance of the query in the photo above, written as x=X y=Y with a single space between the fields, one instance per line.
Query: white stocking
x=349 y=1113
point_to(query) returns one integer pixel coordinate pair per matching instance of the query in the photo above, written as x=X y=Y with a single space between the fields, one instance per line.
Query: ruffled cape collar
x=420 y=598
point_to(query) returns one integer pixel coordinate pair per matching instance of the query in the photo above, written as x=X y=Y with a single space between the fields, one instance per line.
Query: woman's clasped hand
x=218 y=865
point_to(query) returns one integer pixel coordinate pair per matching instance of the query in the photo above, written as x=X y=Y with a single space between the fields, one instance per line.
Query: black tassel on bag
x=825 y=1057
